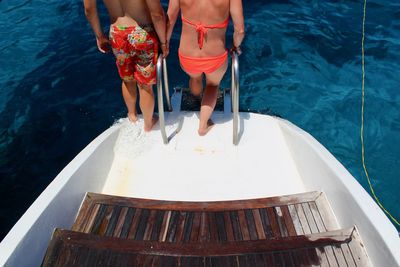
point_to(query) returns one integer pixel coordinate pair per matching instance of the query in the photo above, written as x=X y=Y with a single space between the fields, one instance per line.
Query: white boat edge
x=67 y=186
x=351 y=203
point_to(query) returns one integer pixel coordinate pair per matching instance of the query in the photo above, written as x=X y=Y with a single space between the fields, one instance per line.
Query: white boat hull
x=274 y=157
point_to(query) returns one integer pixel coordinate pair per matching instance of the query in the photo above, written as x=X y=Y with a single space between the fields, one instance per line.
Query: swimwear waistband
x=204 y=58
x=147 y=27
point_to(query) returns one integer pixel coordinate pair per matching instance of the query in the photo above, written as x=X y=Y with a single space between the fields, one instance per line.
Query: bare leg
x=147 y=106
x=129 y=94
x=210 y=99
x=196 y=84
x=207 y=107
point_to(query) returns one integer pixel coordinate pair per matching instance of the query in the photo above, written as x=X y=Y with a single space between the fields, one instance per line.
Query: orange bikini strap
x=203 y=28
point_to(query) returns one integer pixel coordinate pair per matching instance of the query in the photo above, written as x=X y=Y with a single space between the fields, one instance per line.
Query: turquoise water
x=301 y=61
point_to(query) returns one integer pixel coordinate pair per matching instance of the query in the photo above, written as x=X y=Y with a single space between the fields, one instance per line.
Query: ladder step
x=191 y=103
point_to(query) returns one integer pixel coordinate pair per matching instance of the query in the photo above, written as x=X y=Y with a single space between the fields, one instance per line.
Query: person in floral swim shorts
x=135 y=49
x=138 y=29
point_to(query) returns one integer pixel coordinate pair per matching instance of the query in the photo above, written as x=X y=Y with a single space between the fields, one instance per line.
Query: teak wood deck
x=296 y=230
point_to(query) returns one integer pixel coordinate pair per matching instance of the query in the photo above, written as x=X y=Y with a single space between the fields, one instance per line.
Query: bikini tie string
x=201 y=30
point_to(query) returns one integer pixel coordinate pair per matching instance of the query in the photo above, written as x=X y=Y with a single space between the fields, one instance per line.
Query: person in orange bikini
x=202 y=46
x=137 y=27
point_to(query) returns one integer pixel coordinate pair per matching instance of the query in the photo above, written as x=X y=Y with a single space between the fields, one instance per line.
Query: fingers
x=236 y=49
x=164 y=50
x=103 y=44
x=102 y=50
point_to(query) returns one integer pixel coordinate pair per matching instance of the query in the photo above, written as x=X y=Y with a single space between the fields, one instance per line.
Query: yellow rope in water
x=362 y=120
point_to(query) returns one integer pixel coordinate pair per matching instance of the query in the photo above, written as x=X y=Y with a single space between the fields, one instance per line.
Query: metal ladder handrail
x=162 y=72
x=235 y=96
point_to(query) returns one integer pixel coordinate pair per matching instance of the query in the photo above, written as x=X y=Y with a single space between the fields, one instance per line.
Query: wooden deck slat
x=135 y=221
x=173 y=224
x=314 y=220
x=113 y=221
x=242 y=261
x=273 y=222
x=120 y=222
x=236 y=225
x=278 y=259
x=195 y=233
x=317 y=217
x=330 y=255
x=212 y=224
x=82 y=217
x=347 y=255
x=142 y=225
x=339 y=255
x=91 y=218
x=251 y=259
x=287 y=259
x=303 y=219
x=266 y=224
x=281 y=221
x=298 y=258
x=187 y=229
x=259 y=259
x=258 y=224
x=310 y=218
x=333 y=255
x=180 y=227
x=228 y=227
x=105 y=220
x=90 y=256
x=288 y=221
x=322 y=257
x=204 y=228
x=243 y=225
x=156 y=230
x=251 y=224
x=127 y=223
x=269 y=259
x=220 y=222
x=152 y=218
x=156 y=261
x=312 y=256
x=98 y=219
x=296 y=220
x=164 y=226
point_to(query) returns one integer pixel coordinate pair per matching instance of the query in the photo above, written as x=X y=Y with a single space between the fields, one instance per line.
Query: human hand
x=164 y=49
x=103 y=44
x=237 y=50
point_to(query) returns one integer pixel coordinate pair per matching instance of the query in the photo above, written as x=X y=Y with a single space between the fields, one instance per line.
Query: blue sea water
x=301 y=61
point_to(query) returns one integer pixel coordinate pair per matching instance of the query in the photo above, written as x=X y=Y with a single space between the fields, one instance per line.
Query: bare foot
x=132 y=117
x=153 y=122
x=210 y=125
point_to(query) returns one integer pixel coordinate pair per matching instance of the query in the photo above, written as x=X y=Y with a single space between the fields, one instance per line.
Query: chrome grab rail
x=235 y=96
x=162 y=72
x=166 y=84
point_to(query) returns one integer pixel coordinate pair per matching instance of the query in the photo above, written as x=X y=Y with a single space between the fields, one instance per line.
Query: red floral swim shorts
x=135 y=49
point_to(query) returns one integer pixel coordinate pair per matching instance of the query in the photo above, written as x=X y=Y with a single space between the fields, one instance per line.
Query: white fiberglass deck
x=191 y=167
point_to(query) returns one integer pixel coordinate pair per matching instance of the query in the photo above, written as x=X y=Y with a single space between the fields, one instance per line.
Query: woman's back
x=206 y=12
x=202 y=51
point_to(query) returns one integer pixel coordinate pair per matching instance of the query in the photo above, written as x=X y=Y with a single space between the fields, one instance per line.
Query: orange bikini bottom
x=197 y=65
